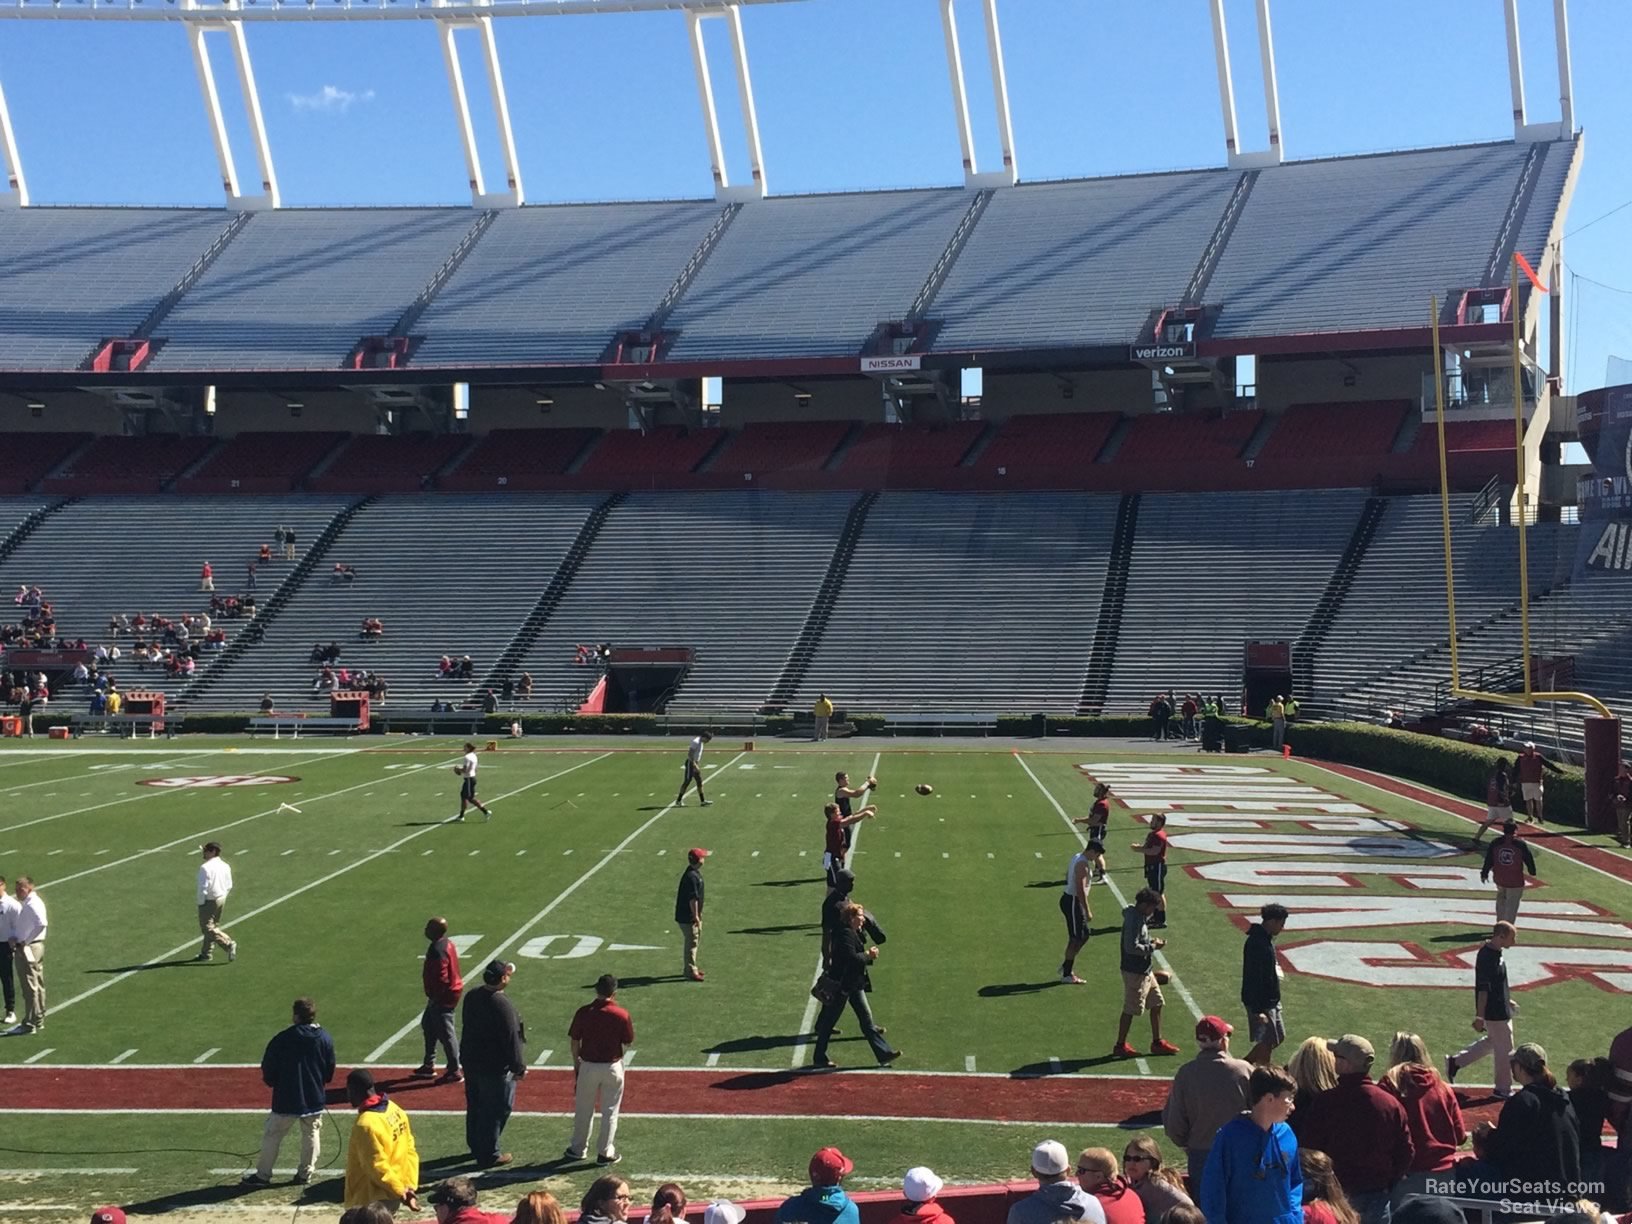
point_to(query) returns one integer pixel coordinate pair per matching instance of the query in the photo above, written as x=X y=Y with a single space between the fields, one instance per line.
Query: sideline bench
x=469 y=720
x=915 y=723
x=126 y=725
x=296 y=723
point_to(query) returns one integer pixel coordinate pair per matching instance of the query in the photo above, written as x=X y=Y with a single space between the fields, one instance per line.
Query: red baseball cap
x=828 y=1166
x=1212 y=1028
x=107 y=1215
x=697 y=852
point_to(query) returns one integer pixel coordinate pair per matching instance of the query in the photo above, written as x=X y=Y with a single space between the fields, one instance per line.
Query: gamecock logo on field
x=218 y=780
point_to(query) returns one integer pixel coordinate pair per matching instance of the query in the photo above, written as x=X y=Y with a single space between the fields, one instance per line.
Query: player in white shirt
x=466 y=769
x=28 y=954
x=214 y=886
x=1074 y=905
x=694 y=770
x=9 y=909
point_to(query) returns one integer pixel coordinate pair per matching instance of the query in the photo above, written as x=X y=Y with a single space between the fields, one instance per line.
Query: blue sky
x=850 y=94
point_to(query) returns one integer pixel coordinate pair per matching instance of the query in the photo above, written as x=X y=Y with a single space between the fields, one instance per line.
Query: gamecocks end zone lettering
x=204 y=780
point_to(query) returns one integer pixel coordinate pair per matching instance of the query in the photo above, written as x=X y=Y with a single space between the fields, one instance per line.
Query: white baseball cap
x=920 y=1184
x=723 y=1211
x=1049 y=1158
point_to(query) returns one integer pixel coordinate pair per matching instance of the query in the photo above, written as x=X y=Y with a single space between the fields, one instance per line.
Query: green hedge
x=1451 y=765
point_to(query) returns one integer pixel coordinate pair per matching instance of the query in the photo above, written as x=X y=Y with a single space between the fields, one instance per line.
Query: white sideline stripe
x=1534 y=845
x=195 y=837
x=63 y=1173
x=808 y=1021
x=1076 y=832
x=101 y=773
x=305 y=888
x=151 y=792
x=516 y=937
x=644 y=1117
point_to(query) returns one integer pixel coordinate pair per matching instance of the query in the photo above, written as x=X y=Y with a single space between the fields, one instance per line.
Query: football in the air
x=924 y=788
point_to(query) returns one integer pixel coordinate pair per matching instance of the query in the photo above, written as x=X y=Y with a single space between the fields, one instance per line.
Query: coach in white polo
x=28 y=954
x=214 y=886
x=9 y=909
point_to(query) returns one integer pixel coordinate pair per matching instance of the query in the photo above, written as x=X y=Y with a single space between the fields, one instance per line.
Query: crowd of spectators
x=351 y=680
x=450 y=668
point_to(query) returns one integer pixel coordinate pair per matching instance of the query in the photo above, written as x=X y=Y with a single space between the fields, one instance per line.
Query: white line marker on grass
x=1121 y=901
x=305 y=888
x=39 y=1054
x=287 y=852
x=1143 y=1065
x=522 y=931
x=543 y=1057
x=969 y=1062
x=714 y=1059
x=207 y=1055
x=1054 y=1063
x=119 y=1058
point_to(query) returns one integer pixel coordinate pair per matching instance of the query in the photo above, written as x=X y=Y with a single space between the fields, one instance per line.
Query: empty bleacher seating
x=556 y=283
x=1462 y=437
x=1211 y=571
x=629 y=455
x=781 y=446
x=904 y=452
x=451 y=574
x=813 y=275
x=296 y=289
x=260 y=461
x=129 y=465
x=981 y=602
x=388 y=463
x=1305 y=432
x=71 y=277
x=1078 y=262
x=518 y=458
x=1157 y=438
x=1047 y=443
x=29 y=456
x=731 y=575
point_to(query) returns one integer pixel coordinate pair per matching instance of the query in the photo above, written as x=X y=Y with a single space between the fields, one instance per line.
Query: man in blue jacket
x=1252 y=1174
x=297 y=1066
x=824 y=1200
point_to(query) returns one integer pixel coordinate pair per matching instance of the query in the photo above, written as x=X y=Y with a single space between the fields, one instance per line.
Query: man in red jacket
x=1098 y=1175
x=1508 y=859
x=455 y=1203
x=1362 y=1128
x=443 y=985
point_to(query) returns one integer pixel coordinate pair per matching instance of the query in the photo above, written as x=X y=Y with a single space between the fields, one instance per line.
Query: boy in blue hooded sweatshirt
x=824 y=1200
x=1252 y=1174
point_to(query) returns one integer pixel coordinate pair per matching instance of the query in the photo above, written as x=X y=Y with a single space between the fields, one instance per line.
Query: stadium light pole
x=1226 y=81
x=236 y=198
x=723 y=190
x=1515 y=65
x=446 y=29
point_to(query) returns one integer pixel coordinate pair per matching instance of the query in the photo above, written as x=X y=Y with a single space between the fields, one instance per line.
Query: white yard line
x=1122 y=901
x=305 y=888
x=101 y=773
x=808 y=1021
x=520 y=933
x=154 y=792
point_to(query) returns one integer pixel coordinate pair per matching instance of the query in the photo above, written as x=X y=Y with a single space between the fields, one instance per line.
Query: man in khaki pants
x=688 y=909
x=214 y=886
x=28 y=954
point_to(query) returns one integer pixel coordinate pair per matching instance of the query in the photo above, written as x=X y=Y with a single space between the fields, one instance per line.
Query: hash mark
x=969 y=1063
x=34 y=1058
x=207 y=1055
x=119 y=1058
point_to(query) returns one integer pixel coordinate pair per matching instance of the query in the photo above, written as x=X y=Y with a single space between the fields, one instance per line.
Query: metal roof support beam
x=236 y=197
x=512 y=195
x=960 y=93
x=1566 y=79
x=1515 y=64
x=723 y=190
x=15 y=192
x=1226 y=82
x=1000 y=95
x=1272 y=93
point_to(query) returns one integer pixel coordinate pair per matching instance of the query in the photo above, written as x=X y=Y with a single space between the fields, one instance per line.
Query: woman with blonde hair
x=1314 y=1068
x=1323 y=1199
x=1158 y=1188
x=539 y=1207
x=1431 y=1108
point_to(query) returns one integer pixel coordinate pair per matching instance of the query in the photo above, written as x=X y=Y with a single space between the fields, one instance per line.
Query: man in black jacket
x=1261 y=984
x=849 y=960
x=297 y=1066
x=1534 y=1150
x=688 y=910
x=491 y=1045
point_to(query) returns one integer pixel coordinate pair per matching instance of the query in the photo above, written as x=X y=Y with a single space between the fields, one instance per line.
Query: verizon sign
x=1162 y=352
x=891 y=365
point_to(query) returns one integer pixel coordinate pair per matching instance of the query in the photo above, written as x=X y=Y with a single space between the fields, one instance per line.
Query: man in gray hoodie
x=1058 y=1196
x=1207 y=1092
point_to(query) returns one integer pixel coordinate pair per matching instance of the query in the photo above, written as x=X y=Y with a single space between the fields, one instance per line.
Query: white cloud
x=330 y=98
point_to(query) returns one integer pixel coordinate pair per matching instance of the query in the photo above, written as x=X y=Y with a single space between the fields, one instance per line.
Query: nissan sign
x=890 y=365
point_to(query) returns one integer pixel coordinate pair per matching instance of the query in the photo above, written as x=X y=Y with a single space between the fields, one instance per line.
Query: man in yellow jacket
x=823 y=712
x=382 y=1164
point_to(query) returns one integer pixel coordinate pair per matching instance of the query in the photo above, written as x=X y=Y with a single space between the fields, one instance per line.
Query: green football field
x=575 y=876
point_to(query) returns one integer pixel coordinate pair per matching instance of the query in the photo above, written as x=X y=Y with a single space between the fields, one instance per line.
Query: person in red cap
x=824 y=1200
x=688 y=910
x=107 y=1215
x=1207 y=1092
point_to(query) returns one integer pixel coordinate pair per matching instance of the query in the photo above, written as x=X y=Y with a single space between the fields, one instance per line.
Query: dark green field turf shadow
x=785 y=929
x=1006 y=989
x=214 y=1195
x=788 y=883
x=634 y=983
x=749 y=1045
x=1460 y=937
x=1041 y=1070
x=146 y=965
x=1046 y=884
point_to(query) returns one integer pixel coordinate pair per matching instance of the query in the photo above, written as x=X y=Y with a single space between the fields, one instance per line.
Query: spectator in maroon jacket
x=1098 y=1175
x=443 y=986
x=455 y=1203
x=1431 y=1108
x=1362 y=1128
